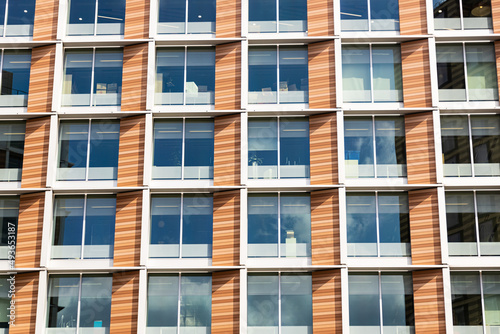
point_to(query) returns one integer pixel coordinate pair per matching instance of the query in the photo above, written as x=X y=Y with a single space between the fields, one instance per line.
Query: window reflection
x=292 y=16
x=383 y=15
x=16 y=68
x=200 y=17
x=20 y=18
x=9 y=213
x=11 y=150
x=476 y=14
x=82 y=17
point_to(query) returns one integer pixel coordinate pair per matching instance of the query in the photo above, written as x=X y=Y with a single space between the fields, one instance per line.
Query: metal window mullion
x=5 y=18
x=380 y=302
x=183 y=147
x=278 y=16
x=185 y=74
x=182 y=223
x=84 y=223
x=96 y=16
x=87 y=165
x=179 y=305
x=279 y=224
x=377 y=223
x=374 y=148
x=278 y=132
x=279 y=302
x=476 y=218
x=187 y=18
x=372 y=98
x=471 y=148
x=369 y=15
x=278 y=74
x=92 y=78
x=79 y=311
x=482 y=301
x=1 y=68
x=462 y=27
x=465 y=73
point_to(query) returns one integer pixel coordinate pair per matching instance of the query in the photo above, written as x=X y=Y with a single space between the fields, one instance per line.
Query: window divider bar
x=1 y=67
x=482 y=301
x=374 y=148
x=79 y=310
x=92 y=78
x=279 y=225
x=476 y=220
x=185 y=73
x=84 y=223
x=371 y=73
x=277 y=74
x=278 y=16
x=87 y=165
x=377 y=223
x=183 y=146
x=471 y=143
x=186 y=22
x=179 y=305
x=461 y=10
x=96 y=16
x=279 y=302
x=5 y=18
x=181 y=226
x=464 y=54
x=278 y=174
x=381 y=313
x=369 y=16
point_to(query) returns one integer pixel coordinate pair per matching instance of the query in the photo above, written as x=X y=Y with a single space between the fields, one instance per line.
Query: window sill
x=82 y=264
x=174 y=263
x=378 y=261
x=464 y=262
x=275 y=262
x=85 y=184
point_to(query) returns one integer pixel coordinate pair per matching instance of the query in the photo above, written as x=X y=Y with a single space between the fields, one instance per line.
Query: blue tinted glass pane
x=81 y=17
x=201 y=16
x=384 y=14
x=9 y=207
x=16 y=76
x=387 y=77
x=294 y=147
x=168 y=147
x=390 y=140
x=12 y=147
x=165 y=220
x=358 y=141
x=163 y=294
x=73 y=144
x=104 y=140
x=170 y=75
x=356 y=73
x=364 y=305
x=63 y=300
x=393 y=217
x=293 y=68
x=354 y=15
x=296 y=301
x=77 y=77
x=295 y=211
x=361 y=222
x=95 y=295
x=263 y=301
x=262 y=225
x=20 y=18
x=196 y=303
x=200 y=76
x=2 y=13
x=199 y=148
x=172 y=16
x=100 y=223
x=293 y=15
x=68 y=220
x=262 y=75
x=108 y=77
x=262 y=147
x=262 y=10
x=110 y=17
x=397 y=300
x=197 y=225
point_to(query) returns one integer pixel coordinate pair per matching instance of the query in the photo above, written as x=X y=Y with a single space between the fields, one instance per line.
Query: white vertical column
x=58 y=77
x=52 y=154
x=243 y=226
x=151 y=76
x=47 y=229
x=41 y=303
x=142 y=307
x=448 y=309
x=343 y=226
x=145 y=226
x=148 y=149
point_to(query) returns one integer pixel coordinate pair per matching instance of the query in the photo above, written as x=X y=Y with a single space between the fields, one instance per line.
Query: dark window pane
x=108 y=77
x=262 y=148
x=11 y=150
x=199 y=149
x=466 y=299
x=165 y=226
x=397 y=300
x=201 y=16
x=461 y=223
x=197 y=221
x=99 y=227
x=73 y=148
x=455 y=145
x=16 y=77
x=104 y=142
x=200 y=76
x=262 y=75
x=20 y=18
x=361 y=224
x=110 y=17
x=294 y=148
x=63 y=301
x=170 y=75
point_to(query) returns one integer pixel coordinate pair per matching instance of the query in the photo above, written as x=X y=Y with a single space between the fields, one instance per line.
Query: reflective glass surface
x=476 y=14
x=262 y=148
x=481 y=72
x=451 y=73
x=384 y=15
x=296 y=303
x=262 y=225
x=15 y=78
x=456 y=146
x=172 y=17
x=165 y=226
x=82 y=16
x=397 y=302
x=81 y=19
x=292 y=16
x=68 y=227
x=170 y=76
x=63 y=301
x=488 y=214
x=486 y=153
x=110 y=17
x=358 y=147
x=262 y=75
x=294 y=148
x=108 y=77
x=200 y=76
x=293 y=75
x=387 y=75
x=103 y=150
x=167 y=154
x=200 y=17
x=11 y=150
x=361 y=224
x=197 y=224
x=356 y=73
x=461 y=223
x=9 y=212
x=77 y=77
x=390 y=146
x=466 y=300
x=491 y=295
x=99 y=227
x=394 y=224
x=262 y=16
x=364 y=305
x=20 y=18
x=4 y=302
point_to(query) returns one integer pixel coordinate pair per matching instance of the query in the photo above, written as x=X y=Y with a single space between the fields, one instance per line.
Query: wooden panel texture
x=131 y=154
x=322 y=93
x=45 y=24
x=412 y=17
x=124 y=303
x=320 y=18
x=41 y=78
x=420 y=153
x=29 y=230
x=226 y=302
x=228 y=76
x=416 y=74
x=424 y=227
x=228 y=19
x=36 y=148
x=428 y=299
x=134 y=81
x=127 y=249
x=327 y=302
x=226 y=229
x=325 y=236
x=495 y=14
x=227 y=137
x=323 y=148
x=25 y=299
x=136 y=19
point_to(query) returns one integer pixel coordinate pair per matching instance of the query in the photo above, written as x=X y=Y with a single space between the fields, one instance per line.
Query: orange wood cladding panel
x=29 y=230
x=228 y=19
x=25 y=299
x=320 y=18
x=228 y=76
x=495 y=14
x=45 y=24
x=323 y=148
x=131 y=154
x=412 y=17
x=321 y=58
x=135 y=68
x=424 y=227
x=226 y=229
x=497 y=57
x=41 y=78
x=325 y=235
x=416 y=74
x=128 y=229
x=36 y=148
x=428 y=299
x=124 y=303
x=226 y=302
x=420 y=156
x=136 y=19
x=327 y=302
x=227 y=130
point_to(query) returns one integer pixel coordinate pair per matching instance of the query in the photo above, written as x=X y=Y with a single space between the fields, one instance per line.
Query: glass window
x=386 y=150
x=472 y=80
x=110 y=16
x=16 y=18
x=368 y=293
x=84 y=157
x=285 y=296
x=185 y=76
x=11 y=150
x=200 y=17
x=9 y=212
x=378 y=224
x=372 y=73
x=292 y=16
x=265 y=161
x=268 y=66
x=369 y=15
x=15 y=80
x=81 y=302
x=461 y=132
x=192 y=291
x=5 y=317
x=181 y=226
x=84 y=227
x=462 y=14
x=92 y=77
x=476 y=302
x=183 y=149
x=473 y=216
x=279 y=225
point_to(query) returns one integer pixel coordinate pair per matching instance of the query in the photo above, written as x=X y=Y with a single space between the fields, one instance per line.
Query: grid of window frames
x=186 y=17
x=273 y=16
x=369 y=15
x=92 y=18
x=462 y=14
